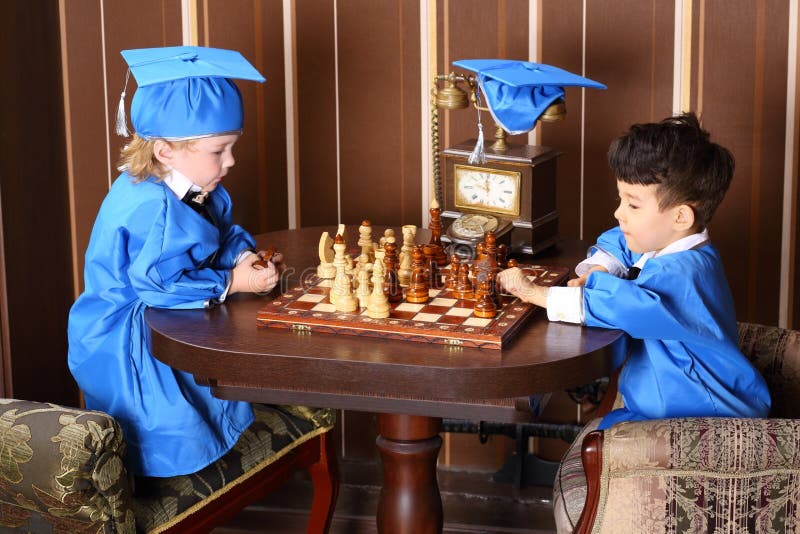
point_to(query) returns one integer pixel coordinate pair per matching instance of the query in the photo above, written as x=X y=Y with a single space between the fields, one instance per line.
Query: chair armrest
x=644 y=471
x=64 y=464
x=717 y=445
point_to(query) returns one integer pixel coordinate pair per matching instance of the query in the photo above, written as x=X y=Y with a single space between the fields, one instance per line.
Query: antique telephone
x=490 y=184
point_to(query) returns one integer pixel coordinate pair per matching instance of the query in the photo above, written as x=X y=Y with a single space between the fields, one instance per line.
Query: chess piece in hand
x=271 y=255
x=255 y=275
x=514 y=281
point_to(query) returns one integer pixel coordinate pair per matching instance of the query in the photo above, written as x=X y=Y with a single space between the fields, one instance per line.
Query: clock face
x=486 y=189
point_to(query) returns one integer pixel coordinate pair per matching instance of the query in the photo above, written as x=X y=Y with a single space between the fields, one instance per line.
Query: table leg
x=410 y=502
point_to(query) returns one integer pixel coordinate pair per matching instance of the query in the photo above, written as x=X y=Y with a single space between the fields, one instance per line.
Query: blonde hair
x=138 y=158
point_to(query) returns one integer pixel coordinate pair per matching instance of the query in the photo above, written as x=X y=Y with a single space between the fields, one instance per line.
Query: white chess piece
x=365 y=240
x=326 y=270
x=405 y=259
x=378 y=306
x=341 y=281
x=346 y=301
x=364 y=289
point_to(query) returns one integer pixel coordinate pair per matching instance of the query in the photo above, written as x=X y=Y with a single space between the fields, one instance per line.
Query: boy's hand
x=581 y=280
x=514 y=281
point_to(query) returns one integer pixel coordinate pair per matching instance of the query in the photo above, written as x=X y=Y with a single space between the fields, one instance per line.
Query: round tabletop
x=225 y=344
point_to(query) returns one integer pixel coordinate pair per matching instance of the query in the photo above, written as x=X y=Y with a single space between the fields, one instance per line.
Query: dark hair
x=677 y=155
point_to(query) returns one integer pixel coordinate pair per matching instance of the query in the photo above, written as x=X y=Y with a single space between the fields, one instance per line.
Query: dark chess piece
x=485 y=306
x=435 y=226
x=502 y=256
x=452 y=274
x=417 y=291
x=432 y=266
x=391 y=283
x=463 y=288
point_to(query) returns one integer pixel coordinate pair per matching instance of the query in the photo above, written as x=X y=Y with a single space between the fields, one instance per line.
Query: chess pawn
x=463 y=288
x=346 y=301
x=406 y=254
x=365 y=240
x=485 y=306
x=409 y=235
x=418 y=287
x=364 y=290
x=404 y=271
x=378 y=305
x=386 y=235
x=450 y=281
x=417 y=291
x=432 y=266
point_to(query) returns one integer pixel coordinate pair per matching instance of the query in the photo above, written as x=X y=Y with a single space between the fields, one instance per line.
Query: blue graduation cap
x=518 y=92
x=185 y=92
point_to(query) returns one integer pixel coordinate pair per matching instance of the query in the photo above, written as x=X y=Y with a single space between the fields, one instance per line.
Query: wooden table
x=410 y=385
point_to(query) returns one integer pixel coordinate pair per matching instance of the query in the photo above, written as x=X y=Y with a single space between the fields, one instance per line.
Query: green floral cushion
x=160 y=502
x=61 y=470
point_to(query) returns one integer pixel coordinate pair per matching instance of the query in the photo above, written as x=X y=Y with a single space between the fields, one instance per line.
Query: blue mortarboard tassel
x=121 y=126
x=478 y=154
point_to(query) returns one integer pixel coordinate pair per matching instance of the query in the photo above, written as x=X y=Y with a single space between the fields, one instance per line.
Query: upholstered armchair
x=696 y=474
x=62 y=470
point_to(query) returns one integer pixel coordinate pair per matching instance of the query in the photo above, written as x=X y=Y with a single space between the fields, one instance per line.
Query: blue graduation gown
x=148 y=248
x=683 y=358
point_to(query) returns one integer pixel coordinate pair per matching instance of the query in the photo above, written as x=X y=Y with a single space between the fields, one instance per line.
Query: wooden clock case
x=536 y=226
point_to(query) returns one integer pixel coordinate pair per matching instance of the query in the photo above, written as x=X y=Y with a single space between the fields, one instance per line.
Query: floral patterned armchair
x=694 y=475
x=62 y=471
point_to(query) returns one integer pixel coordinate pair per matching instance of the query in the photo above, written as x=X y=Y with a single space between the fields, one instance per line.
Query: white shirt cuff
x=600 y=257
x=565 y=304
x=242 y=255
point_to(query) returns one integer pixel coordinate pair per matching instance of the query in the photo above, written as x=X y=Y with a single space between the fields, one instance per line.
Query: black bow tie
x=197 y=201
x=197 y=198
x=633 y=273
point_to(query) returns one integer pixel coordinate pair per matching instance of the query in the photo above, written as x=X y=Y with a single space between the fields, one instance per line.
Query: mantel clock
x=512 y=193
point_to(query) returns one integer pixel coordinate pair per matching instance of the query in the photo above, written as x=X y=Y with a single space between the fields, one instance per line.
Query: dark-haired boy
x=657 y=277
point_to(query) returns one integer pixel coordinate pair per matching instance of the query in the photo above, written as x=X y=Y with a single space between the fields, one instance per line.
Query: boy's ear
x=684 y=217
x=162 y=151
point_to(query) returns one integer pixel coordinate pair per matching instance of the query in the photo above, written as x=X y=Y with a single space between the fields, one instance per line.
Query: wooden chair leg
x=325 y=478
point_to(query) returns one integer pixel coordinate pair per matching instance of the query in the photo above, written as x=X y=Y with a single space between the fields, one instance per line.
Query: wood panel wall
x=739 y=88
x=357 y=128
x=35 y=267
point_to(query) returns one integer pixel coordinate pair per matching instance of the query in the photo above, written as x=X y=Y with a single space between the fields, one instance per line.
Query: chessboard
x=444 y=319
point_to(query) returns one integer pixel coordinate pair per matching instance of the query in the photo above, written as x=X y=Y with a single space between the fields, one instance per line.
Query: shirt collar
x=684 y=243
x=179 y=183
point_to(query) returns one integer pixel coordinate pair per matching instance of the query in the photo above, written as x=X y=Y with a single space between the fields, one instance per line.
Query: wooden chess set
x=414 y=294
